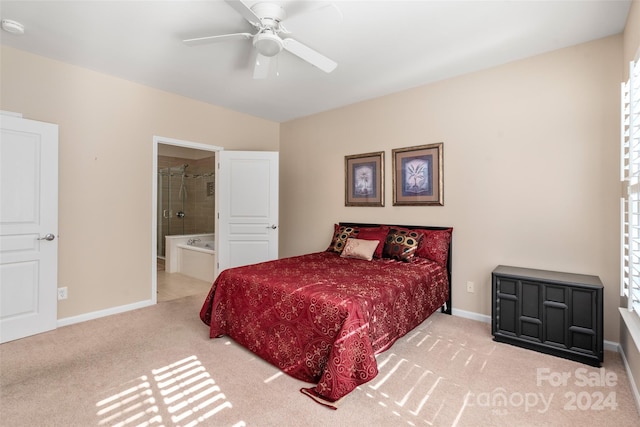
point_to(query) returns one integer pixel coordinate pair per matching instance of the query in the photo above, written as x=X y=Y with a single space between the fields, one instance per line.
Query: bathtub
x=195 y=260
x=209 y=245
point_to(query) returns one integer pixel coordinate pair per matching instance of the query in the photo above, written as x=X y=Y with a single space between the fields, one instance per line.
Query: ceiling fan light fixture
x=266 y=19
x=13 y=27
x=268 y=44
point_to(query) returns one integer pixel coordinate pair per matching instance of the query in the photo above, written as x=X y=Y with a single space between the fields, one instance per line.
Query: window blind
x=630 y=201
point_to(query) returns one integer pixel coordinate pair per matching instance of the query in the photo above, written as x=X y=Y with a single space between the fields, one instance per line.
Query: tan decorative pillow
x=359 y=249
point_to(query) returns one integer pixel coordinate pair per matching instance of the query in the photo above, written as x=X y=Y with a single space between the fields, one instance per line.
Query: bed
x=323 y=317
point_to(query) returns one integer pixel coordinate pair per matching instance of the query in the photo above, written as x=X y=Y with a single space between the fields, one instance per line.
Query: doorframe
x=154 y=200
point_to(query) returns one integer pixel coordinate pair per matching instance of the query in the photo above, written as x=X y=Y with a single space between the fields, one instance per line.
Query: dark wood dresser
x=548 y=311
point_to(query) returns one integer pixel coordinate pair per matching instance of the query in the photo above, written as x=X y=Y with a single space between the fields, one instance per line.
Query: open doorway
x=184 y=201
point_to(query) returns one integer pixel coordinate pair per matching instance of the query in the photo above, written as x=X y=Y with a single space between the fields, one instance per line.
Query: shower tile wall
x=198 y=205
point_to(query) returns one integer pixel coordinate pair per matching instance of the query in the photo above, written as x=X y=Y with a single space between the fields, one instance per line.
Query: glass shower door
x=170 y=204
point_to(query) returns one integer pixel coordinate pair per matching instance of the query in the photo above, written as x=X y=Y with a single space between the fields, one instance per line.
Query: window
x=630 y=201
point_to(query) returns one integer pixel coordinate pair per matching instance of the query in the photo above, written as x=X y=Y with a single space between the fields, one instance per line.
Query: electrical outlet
x=62 y=293
x=470 y=287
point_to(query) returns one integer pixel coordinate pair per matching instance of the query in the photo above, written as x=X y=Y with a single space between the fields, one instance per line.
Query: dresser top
x=549 y=276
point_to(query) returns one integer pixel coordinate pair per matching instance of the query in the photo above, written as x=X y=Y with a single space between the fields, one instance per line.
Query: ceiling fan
x=267 y=19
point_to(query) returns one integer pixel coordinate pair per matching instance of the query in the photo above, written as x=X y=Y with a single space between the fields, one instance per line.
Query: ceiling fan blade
x=261 y=69
x=311 y=56
x=245 y=11
x=214 y=39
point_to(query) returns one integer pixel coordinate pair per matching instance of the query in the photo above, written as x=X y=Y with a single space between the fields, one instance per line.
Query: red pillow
x=375 y=233
x=342 y=232
x=435 y=245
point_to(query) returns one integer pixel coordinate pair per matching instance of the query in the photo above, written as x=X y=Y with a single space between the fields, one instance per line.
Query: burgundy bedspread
x=322 y=318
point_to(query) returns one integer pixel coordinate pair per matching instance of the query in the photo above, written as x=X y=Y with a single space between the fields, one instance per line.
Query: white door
x=28 y=227
x=247 y=220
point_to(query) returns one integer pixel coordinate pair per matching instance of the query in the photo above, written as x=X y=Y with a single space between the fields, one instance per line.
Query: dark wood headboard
x=447 y=307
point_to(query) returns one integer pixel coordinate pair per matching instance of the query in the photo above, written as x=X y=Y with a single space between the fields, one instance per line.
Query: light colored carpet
x=157 y=367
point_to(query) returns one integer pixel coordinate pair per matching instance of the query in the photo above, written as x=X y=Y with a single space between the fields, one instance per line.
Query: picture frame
x=364 y=179
x=418 y=178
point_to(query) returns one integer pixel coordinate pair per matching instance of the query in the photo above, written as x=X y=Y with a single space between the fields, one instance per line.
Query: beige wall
x=530 y=178
x=631 y=39
x=106 y=130
x=631 y=43
x=530 y=168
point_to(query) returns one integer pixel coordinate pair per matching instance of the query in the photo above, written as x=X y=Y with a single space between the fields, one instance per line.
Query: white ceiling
x=381 y=47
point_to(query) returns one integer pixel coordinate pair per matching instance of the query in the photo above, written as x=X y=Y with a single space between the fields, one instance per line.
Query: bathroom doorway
x=186 y=194
x=184 y=205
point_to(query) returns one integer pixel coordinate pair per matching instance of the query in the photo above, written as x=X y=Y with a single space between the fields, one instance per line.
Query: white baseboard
x=607 y=345
x=103 y=313
x=632 y=382
x=471 y=315
x=611 y=346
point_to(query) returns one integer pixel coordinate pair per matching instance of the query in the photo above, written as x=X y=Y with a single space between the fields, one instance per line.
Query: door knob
x=48 y=237
x=273 y=227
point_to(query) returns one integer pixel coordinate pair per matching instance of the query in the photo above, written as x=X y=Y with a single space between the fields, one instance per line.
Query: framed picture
x=364 y=179
x=417 y=175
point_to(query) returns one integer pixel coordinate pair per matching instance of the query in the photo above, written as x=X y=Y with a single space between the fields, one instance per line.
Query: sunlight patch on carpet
x=413 y=393
x=417 y=395
x=182 y=393
x=273 y=377
x=134 y=405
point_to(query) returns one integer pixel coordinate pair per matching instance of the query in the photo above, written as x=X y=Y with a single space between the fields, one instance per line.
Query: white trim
x=633 y=325
x=154 y=200
x=11 y=114
x=611 y=346
x=632 y=380
x=630 y=168
x=607 y=345
x=103 y=313
x=471 y=315
x=154 y=222
x=182 y=143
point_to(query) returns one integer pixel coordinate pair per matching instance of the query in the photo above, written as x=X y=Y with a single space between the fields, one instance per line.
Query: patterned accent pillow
x=375 y=233
x=359 y=249
x=340 y=236
x=401 y=244
x=342 y=232
x=434 y=245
